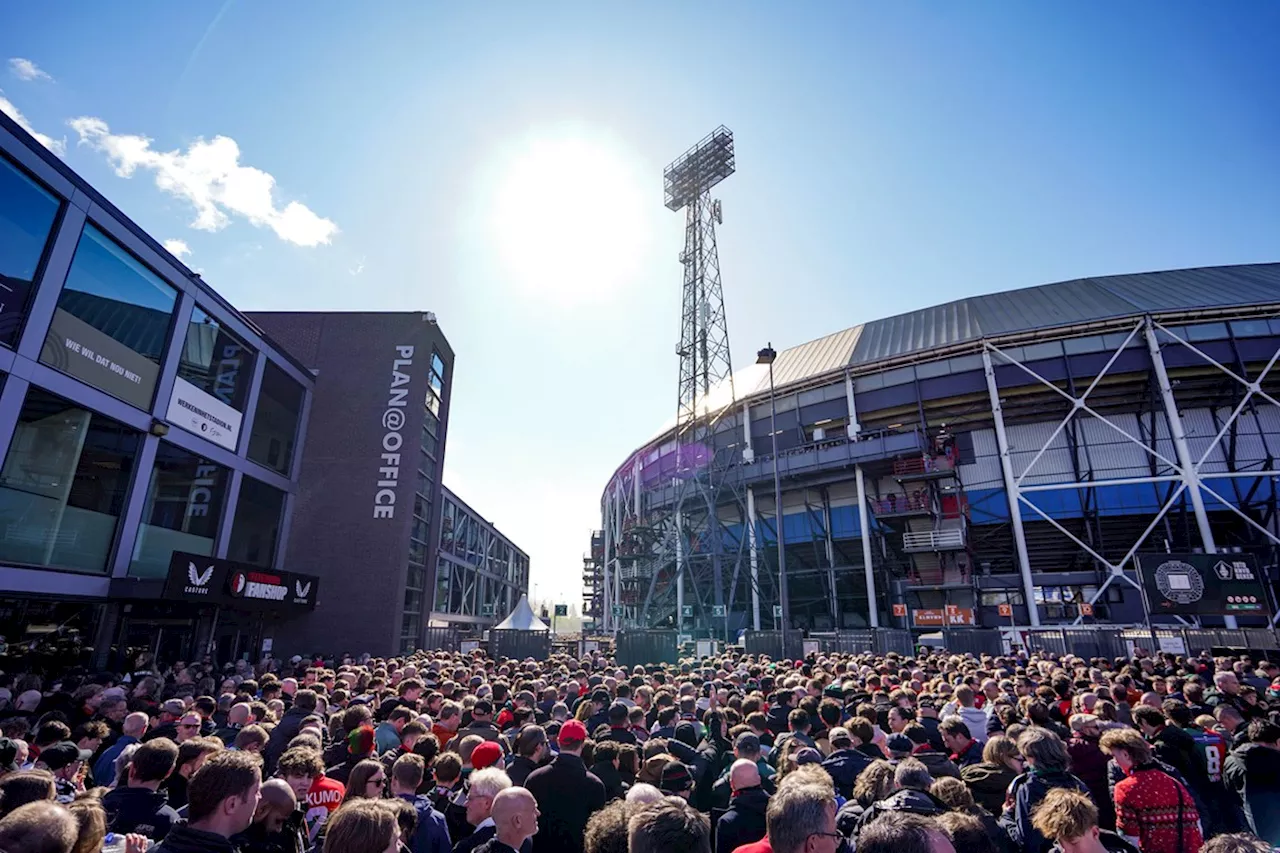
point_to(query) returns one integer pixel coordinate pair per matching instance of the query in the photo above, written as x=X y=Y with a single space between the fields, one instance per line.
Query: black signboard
x=1202 y=584
x=225 y=583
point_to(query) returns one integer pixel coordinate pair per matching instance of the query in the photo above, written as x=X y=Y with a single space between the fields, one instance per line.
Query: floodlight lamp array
x=699 y=169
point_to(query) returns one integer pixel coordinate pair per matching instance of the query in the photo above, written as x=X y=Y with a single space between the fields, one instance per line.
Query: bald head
x=240 y=714
x=515 y=816
x=135 y=725
x=744 y=774
x=277 y=804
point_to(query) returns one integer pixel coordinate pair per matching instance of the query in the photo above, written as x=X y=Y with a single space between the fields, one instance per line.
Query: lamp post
x=767 y=356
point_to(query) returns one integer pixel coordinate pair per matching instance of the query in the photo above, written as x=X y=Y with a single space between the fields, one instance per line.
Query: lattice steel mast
x=693 y=549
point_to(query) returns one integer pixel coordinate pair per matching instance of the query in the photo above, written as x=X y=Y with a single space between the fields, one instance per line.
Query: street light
x=767 y=356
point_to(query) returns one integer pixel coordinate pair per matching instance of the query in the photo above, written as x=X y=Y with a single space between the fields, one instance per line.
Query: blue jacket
x=104 y=770
x=843 y=766
x=1027 y=791
x=432 y=834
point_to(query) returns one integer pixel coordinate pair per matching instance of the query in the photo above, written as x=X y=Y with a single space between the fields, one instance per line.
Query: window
x=257 y=523
x=184 y=503
x=216 y=361
x=63 y=485
x=112 y=321
x=275 y=424
x=27 y=214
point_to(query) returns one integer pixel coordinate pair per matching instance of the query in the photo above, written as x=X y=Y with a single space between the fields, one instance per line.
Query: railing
x=892 y=504
x=949 y=539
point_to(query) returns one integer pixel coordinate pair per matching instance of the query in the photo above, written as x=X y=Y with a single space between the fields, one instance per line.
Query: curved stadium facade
x=992 y=461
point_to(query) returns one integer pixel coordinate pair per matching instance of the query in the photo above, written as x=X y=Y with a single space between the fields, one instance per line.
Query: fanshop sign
x=230 y=584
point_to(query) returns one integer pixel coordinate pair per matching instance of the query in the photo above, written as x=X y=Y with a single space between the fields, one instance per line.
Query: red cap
x=572 y=732
x=485 y=755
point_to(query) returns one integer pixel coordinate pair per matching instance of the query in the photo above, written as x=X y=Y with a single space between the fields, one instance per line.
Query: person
x=965 y=830
x=605 y=768
x=964 y=749
x=1046 y=758
x=387 y=734
x=1236 y=842
x=671 y=826
x=302 y=768
x=567 y=794
x=989 y=779
x=1252 y=771
x=515 y=819
x=911 y=781
x=903 y=832
x=1154 y=812
x=745 y=820
x=922 y=750
x=132 y=730
x=967 y=711
x=239 y=715
x=530 y=749
x=431 y=833
x=42 y=827
x=955 y=795
x=222 y=799
x=484 y=786
x=304 y=705
x=368 y=780
x=607 y=829
x=1089 y=764
x=139 y=805
x=873 y=785
x=801 y=818
x=66 y=761
x=360 y=747
x=192 y=755
x=277 y=825
x=365 y=826
x=1070 y=820
x=844 y=763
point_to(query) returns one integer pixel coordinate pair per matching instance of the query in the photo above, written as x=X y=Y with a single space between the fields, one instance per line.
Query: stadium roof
x=1082 y=300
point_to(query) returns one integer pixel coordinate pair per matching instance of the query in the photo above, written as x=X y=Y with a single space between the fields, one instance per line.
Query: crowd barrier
x=643 y=647
x=518 y=645
x=771 y=643
x=879 y=641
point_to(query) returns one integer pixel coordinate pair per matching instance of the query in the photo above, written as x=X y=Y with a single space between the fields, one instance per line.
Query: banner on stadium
x=226 y=583
x=938 y=618
x=1202 y=584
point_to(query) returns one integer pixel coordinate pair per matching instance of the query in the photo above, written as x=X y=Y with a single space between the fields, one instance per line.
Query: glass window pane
x=436 y=364
x=1250 y=328
x=436 y=383
x=433 y=403
x=257 y=523
x=275 y=424
x=184 y=503
x=63 y=485
x=216 y=361
x=112 y=321
x=27 y=214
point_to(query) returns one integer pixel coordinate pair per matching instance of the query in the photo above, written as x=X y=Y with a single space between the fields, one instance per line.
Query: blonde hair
x=1064 y=815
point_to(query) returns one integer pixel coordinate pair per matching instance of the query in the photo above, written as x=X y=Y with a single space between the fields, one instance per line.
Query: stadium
x=994 y=461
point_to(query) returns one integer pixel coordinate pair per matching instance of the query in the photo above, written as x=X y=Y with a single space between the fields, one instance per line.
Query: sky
x=500 y=164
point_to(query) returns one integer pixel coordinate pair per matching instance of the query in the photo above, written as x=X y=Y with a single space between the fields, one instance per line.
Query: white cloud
x=25 y=69
x=358 y=268
x=178 y=248
x=57 y=146
x=210 y=177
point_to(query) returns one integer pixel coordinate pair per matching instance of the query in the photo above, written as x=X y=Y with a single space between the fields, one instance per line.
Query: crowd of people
x=444 y=751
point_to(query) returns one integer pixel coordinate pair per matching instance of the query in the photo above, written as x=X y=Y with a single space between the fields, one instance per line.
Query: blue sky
x=500 y=164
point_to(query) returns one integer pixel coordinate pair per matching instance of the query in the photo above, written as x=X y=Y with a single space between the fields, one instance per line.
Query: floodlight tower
x=707 y=438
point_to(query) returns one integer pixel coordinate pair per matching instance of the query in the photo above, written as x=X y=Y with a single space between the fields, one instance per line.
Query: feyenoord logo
x=259 y=586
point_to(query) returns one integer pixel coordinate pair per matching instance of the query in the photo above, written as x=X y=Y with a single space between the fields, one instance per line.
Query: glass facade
x=184 y=505
x=256 y=528
x=27 y=216
x=112 y=321
x=216 y=361
x=480 y=572
x=275 y=427
x=63 y=485
x=416 y=595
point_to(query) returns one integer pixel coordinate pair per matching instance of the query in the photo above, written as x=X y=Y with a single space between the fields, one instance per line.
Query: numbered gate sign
x=562 y=610
x=900 y=610
x=617 y=610
x=1006 y=610
x=687 y=611
x=777 y=611
x=719 y=611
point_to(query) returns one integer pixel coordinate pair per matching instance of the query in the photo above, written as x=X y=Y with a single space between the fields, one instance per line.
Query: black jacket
x=988 y=784
x=290 y=839
x=285 y=731
x=777 y=719
x=614 y=787
x=342 y=772
x=520 y=768
x=972 y=755
x=844 y=766
x=567 y=796
x=744 y=822
x=1178 y=749
x=906 y=800
x=1253 y=772
x=139 y=810
x=184 y=839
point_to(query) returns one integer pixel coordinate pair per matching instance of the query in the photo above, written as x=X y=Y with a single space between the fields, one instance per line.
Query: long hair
x=357 y=782
x=364 y=826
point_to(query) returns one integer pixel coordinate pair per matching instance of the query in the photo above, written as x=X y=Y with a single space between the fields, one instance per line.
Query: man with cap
x=844 y=763
x=676 y=780
x=65 y=761
x=746 y=747
x=566 y=793
x=167 y=723
x=488 y=754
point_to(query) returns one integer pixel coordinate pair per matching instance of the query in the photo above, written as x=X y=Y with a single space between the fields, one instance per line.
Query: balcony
x=926 y=467
x=949 y=539
x=901 y=505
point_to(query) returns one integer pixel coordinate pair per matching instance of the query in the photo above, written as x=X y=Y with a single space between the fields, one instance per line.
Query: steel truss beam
x=1186 y=471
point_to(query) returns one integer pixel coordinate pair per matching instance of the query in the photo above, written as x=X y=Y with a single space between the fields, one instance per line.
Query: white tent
x=522 y=618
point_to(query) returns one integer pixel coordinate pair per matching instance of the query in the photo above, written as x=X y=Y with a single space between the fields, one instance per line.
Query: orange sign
x=1006 y=610
x=1086 y=609
x=928 y=618
x=960 y=615
x=899 y=610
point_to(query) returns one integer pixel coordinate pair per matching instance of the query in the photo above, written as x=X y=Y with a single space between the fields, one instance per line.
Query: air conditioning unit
x=819 y=433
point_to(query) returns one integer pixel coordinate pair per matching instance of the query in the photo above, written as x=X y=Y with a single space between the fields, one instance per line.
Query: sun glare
x=569 y=216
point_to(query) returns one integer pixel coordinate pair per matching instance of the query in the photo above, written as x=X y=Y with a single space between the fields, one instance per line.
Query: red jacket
x=1153 y=807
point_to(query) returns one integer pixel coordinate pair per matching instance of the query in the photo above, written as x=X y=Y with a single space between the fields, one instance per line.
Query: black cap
x=675 y=778
x=8 y=755
x=63 y=754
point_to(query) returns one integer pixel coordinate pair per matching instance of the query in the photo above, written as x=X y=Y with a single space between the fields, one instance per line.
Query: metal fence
x=771 y=643
x=1121 y=642
x=641 y=648
x=865 y=641
x=441 y=639
x=515 y=644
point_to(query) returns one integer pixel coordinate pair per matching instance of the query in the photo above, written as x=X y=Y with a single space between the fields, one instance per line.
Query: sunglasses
x=187 y=726
x=378 y=780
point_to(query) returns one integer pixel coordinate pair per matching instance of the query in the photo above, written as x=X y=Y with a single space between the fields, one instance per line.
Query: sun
x=569 y=215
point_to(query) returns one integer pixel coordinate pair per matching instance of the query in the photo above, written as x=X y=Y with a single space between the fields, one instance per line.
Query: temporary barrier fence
x=441 y=639
x=771 y=643
x=518 y=644
x=644 y=647
x=865 y=641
